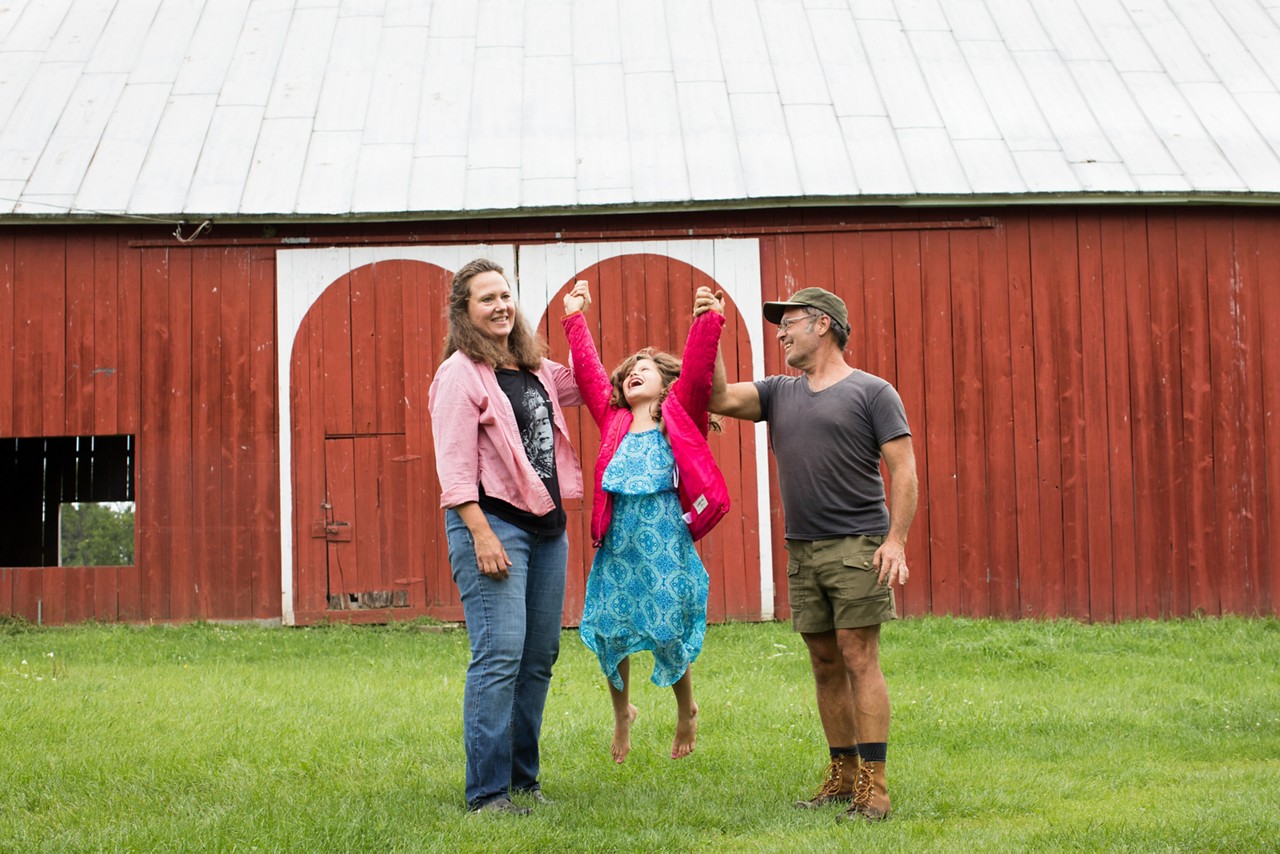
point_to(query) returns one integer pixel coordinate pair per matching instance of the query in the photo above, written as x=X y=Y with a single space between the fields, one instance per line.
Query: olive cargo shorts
x=832 y=585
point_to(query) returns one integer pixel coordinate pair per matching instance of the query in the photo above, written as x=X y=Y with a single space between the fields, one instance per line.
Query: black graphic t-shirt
x=533 y=417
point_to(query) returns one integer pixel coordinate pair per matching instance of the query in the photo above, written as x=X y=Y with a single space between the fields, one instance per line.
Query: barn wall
x=1094 y=393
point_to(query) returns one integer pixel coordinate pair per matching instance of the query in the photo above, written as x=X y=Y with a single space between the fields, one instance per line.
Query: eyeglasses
x=785 y=323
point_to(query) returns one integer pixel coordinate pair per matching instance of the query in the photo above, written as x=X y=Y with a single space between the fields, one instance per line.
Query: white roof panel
x=403 y=108
x=764 y=144
x=118 y=158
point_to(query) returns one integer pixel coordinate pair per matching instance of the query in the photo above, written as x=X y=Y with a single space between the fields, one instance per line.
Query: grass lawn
x=1008 y=736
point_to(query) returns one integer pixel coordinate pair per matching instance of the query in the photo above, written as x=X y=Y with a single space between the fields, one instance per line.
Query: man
x=829 y=428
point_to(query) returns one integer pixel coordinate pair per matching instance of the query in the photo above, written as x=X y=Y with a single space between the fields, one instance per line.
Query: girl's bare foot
x=622 y=734
x=686 y=732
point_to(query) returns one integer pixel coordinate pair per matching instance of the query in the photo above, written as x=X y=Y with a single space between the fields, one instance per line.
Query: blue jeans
x=514 y=628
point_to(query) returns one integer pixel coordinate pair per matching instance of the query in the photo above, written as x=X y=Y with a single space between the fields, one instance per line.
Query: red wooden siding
x=97 y=337
x=1094 y=393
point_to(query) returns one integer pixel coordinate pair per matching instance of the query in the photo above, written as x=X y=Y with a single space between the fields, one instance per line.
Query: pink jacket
x=700 y=484
x=477 y=440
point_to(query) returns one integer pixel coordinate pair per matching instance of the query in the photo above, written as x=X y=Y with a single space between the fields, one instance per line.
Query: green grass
x=1009 y=736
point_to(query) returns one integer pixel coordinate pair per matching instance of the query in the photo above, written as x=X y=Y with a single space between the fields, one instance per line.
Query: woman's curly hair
x=524 y=348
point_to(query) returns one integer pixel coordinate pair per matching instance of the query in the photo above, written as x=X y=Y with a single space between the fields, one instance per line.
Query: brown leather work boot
x=870 y=795
x=838 y=785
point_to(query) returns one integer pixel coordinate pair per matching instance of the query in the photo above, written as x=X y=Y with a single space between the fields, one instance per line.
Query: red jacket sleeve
x=588 y=373
x=697 y=366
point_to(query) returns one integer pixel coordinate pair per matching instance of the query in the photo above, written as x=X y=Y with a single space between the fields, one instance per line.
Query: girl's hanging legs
x=686 y=716
x=624 y=714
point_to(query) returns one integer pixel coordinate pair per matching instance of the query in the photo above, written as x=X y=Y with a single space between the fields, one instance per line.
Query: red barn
x=227 y=230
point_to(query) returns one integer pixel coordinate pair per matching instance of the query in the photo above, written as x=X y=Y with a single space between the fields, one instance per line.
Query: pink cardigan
x=477 y=440
x=703 y=494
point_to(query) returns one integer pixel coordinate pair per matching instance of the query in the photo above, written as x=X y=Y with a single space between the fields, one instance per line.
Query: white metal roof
x=394 y=108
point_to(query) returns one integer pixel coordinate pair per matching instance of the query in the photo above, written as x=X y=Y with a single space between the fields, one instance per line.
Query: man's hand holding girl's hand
x=577 y=299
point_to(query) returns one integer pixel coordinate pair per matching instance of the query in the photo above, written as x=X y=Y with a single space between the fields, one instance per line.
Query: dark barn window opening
x=71 y=494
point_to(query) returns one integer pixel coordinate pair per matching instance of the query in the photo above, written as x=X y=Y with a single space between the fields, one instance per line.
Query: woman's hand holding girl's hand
x=577 y=299
x=705 y=300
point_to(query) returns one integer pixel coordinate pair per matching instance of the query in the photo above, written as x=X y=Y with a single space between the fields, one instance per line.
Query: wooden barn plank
x=388 y=346
x=997 y=401
x=1098 y=568
x=1046 y=308
x=1230 y=440
x=1115 y=306
x=1203 y=549
x=183 y=580
x=1252 y=469
x=104 y=582
x=879 y=265
x=904 y=308
x=1064 y=302
x=234 y=594
x=129 y=590
x=30 y=274
x=335 y=392
x=6 y=590
x=635 y=327
x=76 y=583
x=362 y=372
x=393 y=517
x=1150 y=480
x=28 y=594
x=8 y=337
x=367 y=477
x=129 y=333
x=741 y=435
x=265 y=533
x=53 y=361
x=207 y=560
x=155 y=473
x=420 y=512
x=933 y=271
x=1171 y=478
x=78 y=335
x=971 y=443
x=1268 y=252
x=340 y=459
x=1026 y=456
x=105 y=368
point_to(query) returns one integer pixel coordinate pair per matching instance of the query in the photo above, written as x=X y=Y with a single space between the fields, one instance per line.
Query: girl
x=657 y=490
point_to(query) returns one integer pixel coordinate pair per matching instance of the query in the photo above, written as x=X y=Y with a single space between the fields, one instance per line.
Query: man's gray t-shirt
x=827 y=444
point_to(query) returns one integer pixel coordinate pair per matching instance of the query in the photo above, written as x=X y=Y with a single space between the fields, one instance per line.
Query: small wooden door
x=368 y=533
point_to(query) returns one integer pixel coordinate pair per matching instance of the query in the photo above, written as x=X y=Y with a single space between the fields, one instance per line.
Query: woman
x=505 y=463
x=657 y=490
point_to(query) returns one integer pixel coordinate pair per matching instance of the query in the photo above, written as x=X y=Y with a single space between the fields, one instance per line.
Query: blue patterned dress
x=647 y=588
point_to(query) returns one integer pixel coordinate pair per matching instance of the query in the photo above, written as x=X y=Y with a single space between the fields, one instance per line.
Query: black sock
x=873 y=751
x=843 y=751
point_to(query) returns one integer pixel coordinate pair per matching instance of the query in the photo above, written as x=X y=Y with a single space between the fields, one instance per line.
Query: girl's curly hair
x=669 y=369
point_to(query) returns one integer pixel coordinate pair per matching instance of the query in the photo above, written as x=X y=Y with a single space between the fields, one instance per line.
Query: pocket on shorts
x=861 y=555
x=795 y=591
